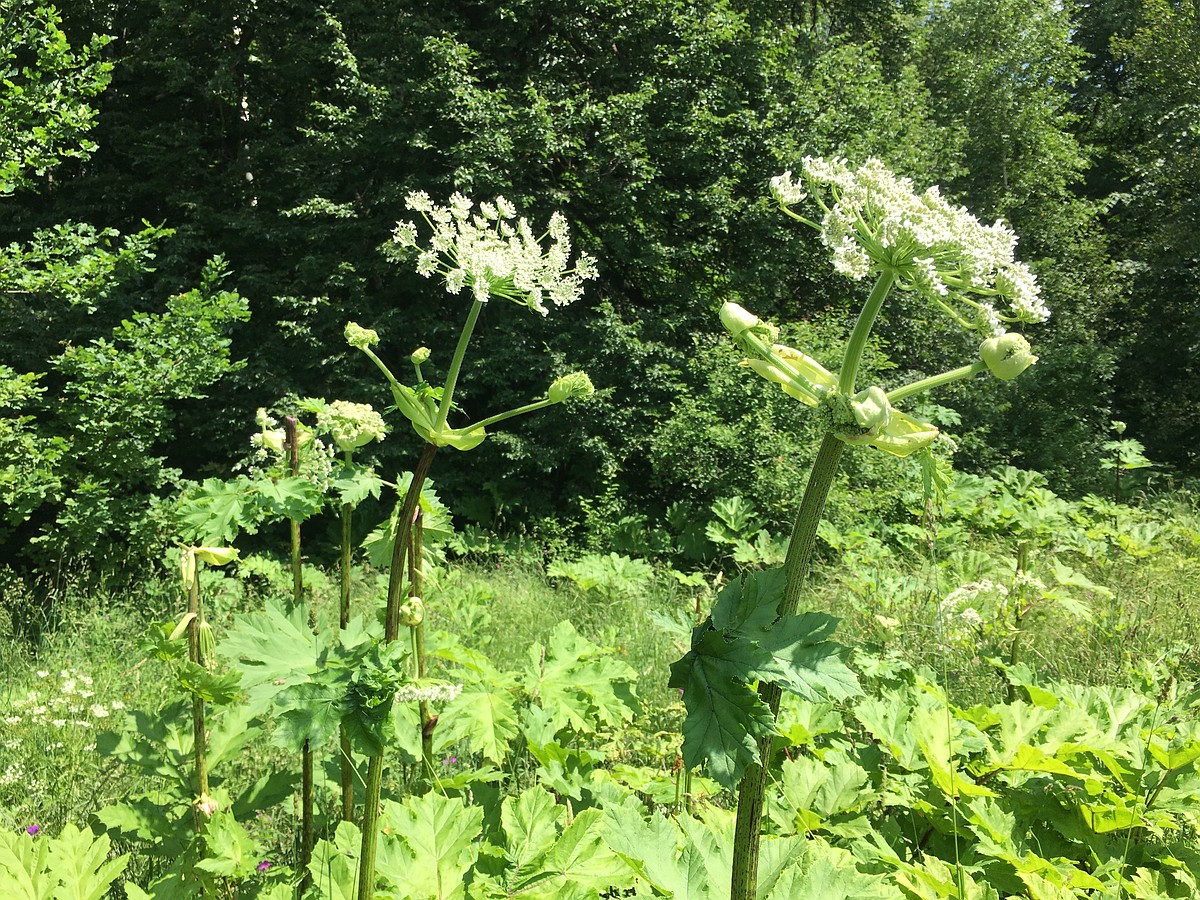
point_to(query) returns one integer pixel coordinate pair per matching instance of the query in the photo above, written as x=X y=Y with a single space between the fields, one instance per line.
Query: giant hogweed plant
x=875 y=226
x=486 y=252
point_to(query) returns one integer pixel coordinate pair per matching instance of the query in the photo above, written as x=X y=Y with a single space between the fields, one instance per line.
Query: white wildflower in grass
x=973 y=610
x=971 y=617
x=429 y=692
x=873 y=221
x=493 y=253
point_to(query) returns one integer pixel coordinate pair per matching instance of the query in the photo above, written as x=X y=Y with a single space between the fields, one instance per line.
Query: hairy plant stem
x=347 y=761
x=373 y=790
x=199 y=741
x=415 y=588
x=292 y=444
x=753 y=787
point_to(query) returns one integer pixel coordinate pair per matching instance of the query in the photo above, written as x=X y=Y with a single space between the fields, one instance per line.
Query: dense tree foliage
x=284 y=135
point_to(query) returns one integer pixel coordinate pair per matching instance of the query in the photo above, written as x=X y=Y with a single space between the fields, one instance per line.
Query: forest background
x=194 y=198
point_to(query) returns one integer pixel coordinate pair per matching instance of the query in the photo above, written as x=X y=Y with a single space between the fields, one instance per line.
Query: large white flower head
x=874 y=221
x=492 y=252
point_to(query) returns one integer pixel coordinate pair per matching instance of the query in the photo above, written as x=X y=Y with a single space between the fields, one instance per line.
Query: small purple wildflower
x=450 y=761
x=33 y=829
x=263 y=866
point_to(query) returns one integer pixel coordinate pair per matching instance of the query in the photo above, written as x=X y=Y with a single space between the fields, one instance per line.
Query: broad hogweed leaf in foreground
x=746 y=641
x=72 y=866
x=725 y=717
x=431 y=845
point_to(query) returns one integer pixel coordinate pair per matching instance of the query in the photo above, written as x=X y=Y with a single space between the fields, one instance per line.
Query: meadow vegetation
x=879 y=602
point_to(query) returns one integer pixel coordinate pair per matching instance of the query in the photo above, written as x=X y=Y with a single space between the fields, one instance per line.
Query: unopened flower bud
x=207 y=805
x=273 y=439
x=420 y=355
x=412 y=612
x=572 y=386
x=737 y=319
x=871 y=409
x=362 y=338
x=1007 y=356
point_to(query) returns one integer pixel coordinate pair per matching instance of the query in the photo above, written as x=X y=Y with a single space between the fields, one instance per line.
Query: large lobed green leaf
x=746 y=641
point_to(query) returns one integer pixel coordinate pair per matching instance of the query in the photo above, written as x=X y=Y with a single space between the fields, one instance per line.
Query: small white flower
x=970 y=616
x=99 y=711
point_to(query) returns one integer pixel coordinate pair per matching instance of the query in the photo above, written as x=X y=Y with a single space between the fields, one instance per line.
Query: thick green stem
x=862 y=329
x=370 y=844
x=199 y=741
x=519 y=411
x=753 y=787
x=292 y=444
x=936 y=381
x=347 y=761
x=391 y=625
x=306 y=811
x=416 y=587
x=373 y=789
x=460 y=351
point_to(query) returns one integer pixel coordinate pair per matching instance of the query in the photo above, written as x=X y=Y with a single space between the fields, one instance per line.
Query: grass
x=58 y=691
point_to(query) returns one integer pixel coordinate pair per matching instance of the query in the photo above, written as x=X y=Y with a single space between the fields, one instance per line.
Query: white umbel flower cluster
x=494 y=253
x=427 y=692
x=874 y=221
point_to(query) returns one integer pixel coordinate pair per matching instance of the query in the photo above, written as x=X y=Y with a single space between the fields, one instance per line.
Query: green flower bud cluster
x=573 y=386
x=412 y=612
x=362 y=338
x=1007 y=355
x=351 y=425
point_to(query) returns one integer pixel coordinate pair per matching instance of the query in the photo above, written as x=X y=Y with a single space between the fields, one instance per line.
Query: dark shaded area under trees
x=283 y=136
